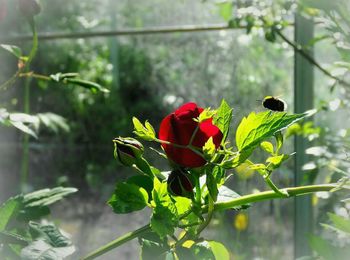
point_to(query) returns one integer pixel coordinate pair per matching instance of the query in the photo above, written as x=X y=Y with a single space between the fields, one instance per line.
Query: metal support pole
x=303 y=100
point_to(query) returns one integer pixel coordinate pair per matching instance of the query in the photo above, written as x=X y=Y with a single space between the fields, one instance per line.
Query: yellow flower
x=241 y=221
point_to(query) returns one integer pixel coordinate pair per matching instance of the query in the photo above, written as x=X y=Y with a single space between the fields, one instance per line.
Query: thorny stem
x=243 y=200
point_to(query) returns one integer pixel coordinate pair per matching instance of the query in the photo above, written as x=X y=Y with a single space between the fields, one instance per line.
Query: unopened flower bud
x=127 y=150
x=179 y=183
x=29 y=8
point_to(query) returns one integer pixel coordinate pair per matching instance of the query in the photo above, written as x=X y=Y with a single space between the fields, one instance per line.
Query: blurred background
x=149 y=75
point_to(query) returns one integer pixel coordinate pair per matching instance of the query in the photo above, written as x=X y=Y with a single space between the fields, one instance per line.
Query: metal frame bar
x=303 y=100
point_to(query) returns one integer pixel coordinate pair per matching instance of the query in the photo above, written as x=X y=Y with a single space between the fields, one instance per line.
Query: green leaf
x=226 y=194
x=93 y=86
x=128 y=198
x=24 y=128
x=12 y=49
x=212 y=186
x=142 y=181
x=276 y=161
x=222 y=118
x=340 y=222
x=145 y=132
x=225 y=10
x=35 y=204
x=209 y=148
x=258 y=126
x=153 y=250
x=182 y=204
x=323 y=248
x=12 y=238
x=279 y=140
x=219 y=250
x=46 y=197
x=267 y=147
x=165 y=216
x=203 y=251
x=53 y=122
x=205 y=115
x=48 y=243
x=164 y=219
x=9 y=210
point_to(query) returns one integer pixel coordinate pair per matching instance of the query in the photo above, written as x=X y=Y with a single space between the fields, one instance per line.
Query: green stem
x=25 y=151
x=117 y=242
x=208 y=219
x=267 y=195
x=32 y=54
x=34 y=75
x=274 y=187
x=251 y=198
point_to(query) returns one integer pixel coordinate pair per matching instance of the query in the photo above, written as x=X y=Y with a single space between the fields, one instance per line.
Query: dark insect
x=274 y=104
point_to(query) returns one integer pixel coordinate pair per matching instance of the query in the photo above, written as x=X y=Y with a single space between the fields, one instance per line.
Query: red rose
x=178 y=127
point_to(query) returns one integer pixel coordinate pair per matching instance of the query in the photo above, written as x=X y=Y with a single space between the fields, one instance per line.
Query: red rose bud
x=29 y=8
x=3 y=9
x=127 y=150
x=178 y=128
x=179 y=183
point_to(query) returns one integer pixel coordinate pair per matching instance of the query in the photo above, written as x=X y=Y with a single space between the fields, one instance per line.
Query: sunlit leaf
x=256 y=127
x=8 y=210
x=128 y=198
x=267 y=146
x=16 y=51
x=219 y=250
x=223 y=118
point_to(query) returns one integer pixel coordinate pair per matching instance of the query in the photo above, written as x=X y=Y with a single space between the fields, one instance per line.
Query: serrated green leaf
x=222 y=118
x=48 y=244
x=267 y=147
x=256 y=127
x=35 y=204
x=202 y=251
x=219 y=250
x=9 y=210
x=14 y=50
x=46 y=197
x=164 y=219
x=165 y=216
x=128 y=198
x=340 y=222
x=151 y=250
